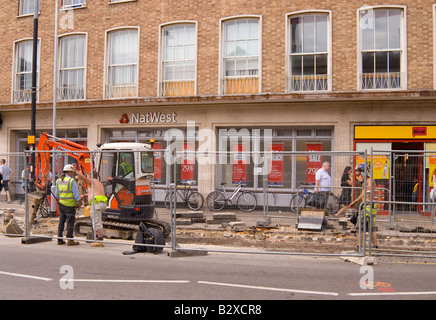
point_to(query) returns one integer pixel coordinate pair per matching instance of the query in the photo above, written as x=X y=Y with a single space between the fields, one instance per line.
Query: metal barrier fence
x=270 y=203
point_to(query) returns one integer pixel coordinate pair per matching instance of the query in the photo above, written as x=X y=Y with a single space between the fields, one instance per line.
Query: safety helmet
x=68 y=168
x=361 y=169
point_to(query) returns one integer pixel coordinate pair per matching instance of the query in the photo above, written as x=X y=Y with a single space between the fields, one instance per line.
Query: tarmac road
x=46 y=271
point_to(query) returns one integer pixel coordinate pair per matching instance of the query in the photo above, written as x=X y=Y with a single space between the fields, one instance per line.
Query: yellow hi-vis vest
x=66 y=196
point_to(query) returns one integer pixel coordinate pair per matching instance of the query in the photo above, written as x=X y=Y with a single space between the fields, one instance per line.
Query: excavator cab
x=127 y=169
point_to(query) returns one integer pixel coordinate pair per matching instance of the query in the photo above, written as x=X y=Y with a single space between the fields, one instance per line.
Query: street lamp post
x=31 y=138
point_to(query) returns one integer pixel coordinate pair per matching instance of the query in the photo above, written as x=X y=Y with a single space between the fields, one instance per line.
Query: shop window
x=286 y=170
x=186 y=169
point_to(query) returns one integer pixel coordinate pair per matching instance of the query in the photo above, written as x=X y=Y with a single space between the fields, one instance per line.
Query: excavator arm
x=42 y=160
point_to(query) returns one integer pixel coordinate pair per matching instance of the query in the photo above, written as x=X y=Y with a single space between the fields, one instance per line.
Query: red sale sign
x=313 y=162
x=275 y=177
x=188 y=162
x=239 y=168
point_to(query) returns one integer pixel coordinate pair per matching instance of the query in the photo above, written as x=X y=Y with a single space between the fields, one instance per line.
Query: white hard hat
x=68 y=168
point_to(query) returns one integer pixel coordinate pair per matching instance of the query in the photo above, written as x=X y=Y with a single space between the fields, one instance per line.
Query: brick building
x=340 y=75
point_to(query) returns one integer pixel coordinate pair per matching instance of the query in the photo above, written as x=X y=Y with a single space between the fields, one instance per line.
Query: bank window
x=382 y=49
x=72 y=67
x=23 y=71
x=241 y=56
x=309 y=52
x=178 y=66
x=287 y=170
x=122 y=68
x=176 y=139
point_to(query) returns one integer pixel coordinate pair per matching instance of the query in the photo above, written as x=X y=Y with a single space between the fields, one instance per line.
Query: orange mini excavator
x=126 y=169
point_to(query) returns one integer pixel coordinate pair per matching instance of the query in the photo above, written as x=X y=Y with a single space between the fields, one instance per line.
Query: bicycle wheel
x=195 y=201
x=216 y=200
x=332 y=204
x=169 y=197
x=297 y=202
x=247 y=201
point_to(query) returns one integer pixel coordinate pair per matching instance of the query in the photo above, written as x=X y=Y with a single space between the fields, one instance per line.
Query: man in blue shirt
x=5 y=171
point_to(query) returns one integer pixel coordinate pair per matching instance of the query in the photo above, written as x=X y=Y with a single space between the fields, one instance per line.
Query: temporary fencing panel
x=265 y=202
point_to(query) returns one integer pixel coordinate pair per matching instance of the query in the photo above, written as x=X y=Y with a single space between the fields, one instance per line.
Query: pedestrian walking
x=6 y=174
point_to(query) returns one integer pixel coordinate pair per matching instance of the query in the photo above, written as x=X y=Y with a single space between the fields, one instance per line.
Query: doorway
x=407 y=171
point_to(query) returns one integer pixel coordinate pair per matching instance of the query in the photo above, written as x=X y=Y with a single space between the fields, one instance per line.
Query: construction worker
x=126 y=165
x=97 y=199
x=69 y=199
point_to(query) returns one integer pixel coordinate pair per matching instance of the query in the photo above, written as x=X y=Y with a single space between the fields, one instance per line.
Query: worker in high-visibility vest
x=67 y=192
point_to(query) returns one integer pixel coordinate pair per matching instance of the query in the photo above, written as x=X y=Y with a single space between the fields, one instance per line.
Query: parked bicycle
x=308 y=198
x=217 y=199
x=193 y=199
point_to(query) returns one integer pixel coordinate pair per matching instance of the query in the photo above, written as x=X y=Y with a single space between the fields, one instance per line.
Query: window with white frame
x=122 y=65
x=241 y=56
x=382 y=49
x=73 y=3
x=178 y=59
x=72 y=67
x=23 y=71
x=26 y=7
x=308 y=52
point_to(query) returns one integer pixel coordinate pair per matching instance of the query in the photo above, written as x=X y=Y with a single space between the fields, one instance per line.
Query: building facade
x=321 y=75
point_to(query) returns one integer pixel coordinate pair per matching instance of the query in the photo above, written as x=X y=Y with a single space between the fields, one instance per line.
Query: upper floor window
x=72 y=67
x=309 y=52
x=73 y=3
x=114 y=1
x=122 y=64
x=241 y=56
x=178 y=60
x=26 y=7
x=23 y=71
x=382 y=54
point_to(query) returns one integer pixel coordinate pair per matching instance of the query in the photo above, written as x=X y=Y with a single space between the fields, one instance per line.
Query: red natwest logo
x=124 y=119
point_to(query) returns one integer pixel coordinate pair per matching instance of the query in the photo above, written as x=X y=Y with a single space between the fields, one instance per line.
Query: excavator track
x=126 y=229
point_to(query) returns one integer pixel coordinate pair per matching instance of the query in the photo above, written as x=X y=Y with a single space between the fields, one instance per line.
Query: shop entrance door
x=407 y=170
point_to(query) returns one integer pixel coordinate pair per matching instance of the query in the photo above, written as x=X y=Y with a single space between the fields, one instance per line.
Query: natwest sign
x=149 y=117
